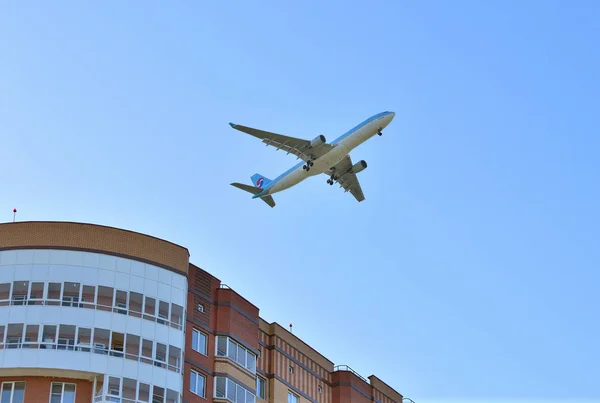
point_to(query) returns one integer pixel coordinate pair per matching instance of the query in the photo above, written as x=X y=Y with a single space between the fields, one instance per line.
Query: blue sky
x=470 y=271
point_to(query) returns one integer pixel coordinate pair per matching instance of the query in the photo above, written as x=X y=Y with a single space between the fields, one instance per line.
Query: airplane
x=318 y=157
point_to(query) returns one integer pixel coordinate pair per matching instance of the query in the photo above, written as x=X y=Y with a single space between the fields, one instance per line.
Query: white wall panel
x=151 y=272
x=7 y=273
x=138 y=268
x=58 y=257
x=4 y=316
x=91 y=260
x=74 y=258
x=41 y=256
x=9 y=257
x=179 y=282
x=106 y=278
x=122 y=281
x=12 y=358
x=136 y=284
x=123 y=265
x=119 y=322
x=161 y=333
x=17 y=314
x=165 y=277
x=164 y=292
x=145 y=374
x=95 y=269
x=148 y=329
x=134 y=326
x=103 y=319
x=179 y=297
x=25 y=256
x=106 y=262
x=150 y=288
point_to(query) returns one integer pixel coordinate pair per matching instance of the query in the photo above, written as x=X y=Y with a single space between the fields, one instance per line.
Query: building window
x=227 y=347
x=197 y=383
x=260 y=388
x=13 y=392
x=62 y=393
x=319 y=389
x=291 y=369
x=199 y=341
x=225 y=388
x=200 y=308
x=292 y=398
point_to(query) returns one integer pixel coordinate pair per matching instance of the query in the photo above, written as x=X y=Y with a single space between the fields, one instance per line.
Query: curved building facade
x=98 y=314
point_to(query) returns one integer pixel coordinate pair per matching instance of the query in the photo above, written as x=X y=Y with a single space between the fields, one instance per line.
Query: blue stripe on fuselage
x=274 y=181
x=336 y=141
x=357 y=127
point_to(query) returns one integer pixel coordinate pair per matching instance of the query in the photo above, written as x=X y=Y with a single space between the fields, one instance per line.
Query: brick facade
x=76 y=236
x=37 y=389
x=212 y=309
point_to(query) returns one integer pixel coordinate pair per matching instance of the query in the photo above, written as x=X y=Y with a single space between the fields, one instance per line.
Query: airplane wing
x=299 y=147
x=348 y=179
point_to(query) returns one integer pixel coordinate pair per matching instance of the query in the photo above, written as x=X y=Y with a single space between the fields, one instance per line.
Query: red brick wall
x=231 y=320
x=189 y=396
x=205 y=284
x=345 y=385
x=37 y=389
x=207 y=360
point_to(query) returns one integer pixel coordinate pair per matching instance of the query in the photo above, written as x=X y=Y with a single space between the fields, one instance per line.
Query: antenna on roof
x=290 y=328
x=14 y=214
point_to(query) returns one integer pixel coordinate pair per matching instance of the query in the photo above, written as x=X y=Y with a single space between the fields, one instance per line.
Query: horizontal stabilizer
x=254 y=190
x=269 y=200
x=251 y=189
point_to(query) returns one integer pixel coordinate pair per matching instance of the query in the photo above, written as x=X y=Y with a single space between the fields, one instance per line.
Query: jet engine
x=359 y=166
x=317 y=141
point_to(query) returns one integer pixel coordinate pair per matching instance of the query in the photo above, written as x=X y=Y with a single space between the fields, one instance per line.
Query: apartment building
x=90 y=313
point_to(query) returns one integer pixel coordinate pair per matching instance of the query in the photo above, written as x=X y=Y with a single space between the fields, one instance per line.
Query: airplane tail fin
x=255 y=190
x=260 y=181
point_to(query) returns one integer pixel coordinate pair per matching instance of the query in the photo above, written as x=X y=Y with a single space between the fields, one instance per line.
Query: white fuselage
x=342 y=147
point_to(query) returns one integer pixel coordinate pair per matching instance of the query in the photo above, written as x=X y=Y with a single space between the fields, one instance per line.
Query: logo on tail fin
x=260 y=180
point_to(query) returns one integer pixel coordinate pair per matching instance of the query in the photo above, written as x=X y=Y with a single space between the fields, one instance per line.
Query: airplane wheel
x=305 y=167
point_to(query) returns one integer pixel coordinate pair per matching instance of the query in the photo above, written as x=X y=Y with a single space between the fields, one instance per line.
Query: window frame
x=295 y=396
x=228 y=384
x=62 y=393
x=264 y=390
x=12 y=389
x=198 y=374
x=205 y=352
x=77 y=299
x=237 y=347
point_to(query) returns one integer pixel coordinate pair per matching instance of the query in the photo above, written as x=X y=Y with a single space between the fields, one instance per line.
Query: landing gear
x=379 y=131
x=333 y=179
x=308 y=164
